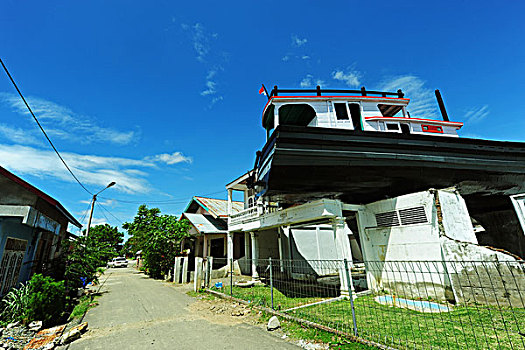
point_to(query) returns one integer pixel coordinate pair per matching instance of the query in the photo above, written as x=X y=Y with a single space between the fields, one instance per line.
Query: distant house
x=32 y=226
x=208 y=218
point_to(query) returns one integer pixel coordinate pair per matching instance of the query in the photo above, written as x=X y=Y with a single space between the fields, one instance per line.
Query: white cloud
x=92 y=170
x=61 y=122
x=309 y=81
x=477 y=114
x=202 y=42
x=285 y=58
x=422 y=100
x=305 y=57
x=18 y=135
x=210 y=85
x=350 y=78
x=170 y=159
x=296 y=41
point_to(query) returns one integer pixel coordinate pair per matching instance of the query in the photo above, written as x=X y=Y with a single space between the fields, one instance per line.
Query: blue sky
x=162 y=96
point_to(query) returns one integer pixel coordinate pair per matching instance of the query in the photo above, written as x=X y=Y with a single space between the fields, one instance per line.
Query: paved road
x=136 y=312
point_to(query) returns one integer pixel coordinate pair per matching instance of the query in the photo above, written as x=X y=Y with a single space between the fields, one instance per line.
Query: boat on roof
x=361 y=146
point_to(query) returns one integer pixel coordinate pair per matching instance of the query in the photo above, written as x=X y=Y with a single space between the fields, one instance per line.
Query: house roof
x=239 y=183
x=41 y=195
x=218 y=208
x=205 y=223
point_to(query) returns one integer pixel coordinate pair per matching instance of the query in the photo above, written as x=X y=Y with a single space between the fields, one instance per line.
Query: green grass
x=474 y=327
x=85 y=303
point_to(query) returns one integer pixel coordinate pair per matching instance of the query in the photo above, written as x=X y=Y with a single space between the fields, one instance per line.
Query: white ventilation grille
x=402 y=217
x=387 y=219
x=412 y=216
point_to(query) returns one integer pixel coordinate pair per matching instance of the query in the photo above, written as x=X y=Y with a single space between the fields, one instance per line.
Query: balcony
x=251 y=213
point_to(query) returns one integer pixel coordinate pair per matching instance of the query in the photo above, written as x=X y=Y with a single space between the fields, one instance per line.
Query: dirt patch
x=224 y=312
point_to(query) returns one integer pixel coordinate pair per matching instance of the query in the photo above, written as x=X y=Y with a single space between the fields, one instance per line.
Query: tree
x=106 y=235
x=158 y=237
x=84 y=255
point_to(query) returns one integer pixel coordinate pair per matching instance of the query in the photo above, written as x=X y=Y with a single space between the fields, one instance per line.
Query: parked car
x=118 y=262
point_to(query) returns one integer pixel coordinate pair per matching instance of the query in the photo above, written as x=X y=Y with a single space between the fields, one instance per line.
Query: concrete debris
x=35 y=326
x=12 y=325
x=273 y=323
x=70 y=336
x=244 y=284
x=311 y=346
x=45 y=339
x=74 y=333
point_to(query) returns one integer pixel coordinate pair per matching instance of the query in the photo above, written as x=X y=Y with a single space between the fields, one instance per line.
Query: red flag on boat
x=262 y=91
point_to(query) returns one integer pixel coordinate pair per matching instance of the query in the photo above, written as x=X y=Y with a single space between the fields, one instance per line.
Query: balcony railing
x=252 y=213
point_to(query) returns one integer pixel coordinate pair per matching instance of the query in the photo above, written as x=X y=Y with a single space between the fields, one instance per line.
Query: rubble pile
x=16 y=336
x=234 y=309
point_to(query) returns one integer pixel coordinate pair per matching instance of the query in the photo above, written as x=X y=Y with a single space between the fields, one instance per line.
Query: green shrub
x=16 y=304
x=47 y=298
x=41 y=299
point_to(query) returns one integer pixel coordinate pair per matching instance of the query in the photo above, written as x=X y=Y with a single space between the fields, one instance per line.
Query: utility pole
x=93 y=205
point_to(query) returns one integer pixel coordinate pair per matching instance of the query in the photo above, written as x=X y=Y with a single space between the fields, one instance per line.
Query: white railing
x=251 y=213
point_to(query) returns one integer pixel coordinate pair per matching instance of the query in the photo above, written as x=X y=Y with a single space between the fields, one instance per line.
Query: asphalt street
x=136 y=312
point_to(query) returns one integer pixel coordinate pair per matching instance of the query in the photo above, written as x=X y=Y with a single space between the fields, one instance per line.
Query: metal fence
x=400 y=304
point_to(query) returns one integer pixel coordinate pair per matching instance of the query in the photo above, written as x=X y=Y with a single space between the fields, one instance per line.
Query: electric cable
x=110 y=213
x=42 y=129
x=103 y=213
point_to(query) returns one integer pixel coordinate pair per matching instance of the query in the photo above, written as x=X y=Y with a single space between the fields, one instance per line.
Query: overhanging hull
x=303 y=163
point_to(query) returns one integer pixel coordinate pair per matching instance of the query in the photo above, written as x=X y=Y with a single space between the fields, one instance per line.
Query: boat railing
x=319 y=92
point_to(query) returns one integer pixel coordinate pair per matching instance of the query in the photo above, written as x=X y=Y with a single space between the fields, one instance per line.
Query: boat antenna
x=441 y=105
x=266 y=91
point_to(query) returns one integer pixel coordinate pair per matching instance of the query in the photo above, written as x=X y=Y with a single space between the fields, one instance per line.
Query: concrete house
x=32 y=226
x=208 y=218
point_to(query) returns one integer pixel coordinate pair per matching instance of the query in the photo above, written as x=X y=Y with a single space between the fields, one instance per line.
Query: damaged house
x=32 y=227
x=351 y=175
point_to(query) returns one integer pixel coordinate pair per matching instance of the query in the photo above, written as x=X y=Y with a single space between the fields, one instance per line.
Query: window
x=392 y=126
x=389 y=110
x=432 y=128
x=340 y=111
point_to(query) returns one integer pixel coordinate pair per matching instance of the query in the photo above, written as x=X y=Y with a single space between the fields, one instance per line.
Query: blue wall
x=13 y=227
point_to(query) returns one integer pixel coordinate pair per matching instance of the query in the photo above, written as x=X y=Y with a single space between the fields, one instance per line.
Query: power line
x=85 y=213
x=110 y=213
x=104 y=214
x=42 y=129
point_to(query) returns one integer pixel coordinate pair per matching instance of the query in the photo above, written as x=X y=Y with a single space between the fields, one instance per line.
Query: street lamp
x=112 y=183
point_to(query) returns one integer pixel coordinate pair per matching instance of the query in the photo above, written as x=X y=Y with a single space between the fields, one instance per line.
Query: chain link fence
x=399 y=304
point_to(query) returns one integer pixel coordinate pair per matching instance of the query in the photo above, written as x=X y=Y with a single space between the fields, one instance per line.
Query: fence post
x=231 y=277
x=349 y=286
x=271 y=280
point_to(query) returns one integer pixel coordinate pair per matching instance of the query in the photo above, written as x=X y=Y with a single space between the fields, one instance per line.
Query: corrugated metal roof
x=206 y=223
x=218 y=207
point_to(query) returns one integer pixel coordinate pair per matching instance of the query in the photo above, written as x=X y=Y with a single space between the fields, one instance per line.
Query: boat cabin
x=359 y=110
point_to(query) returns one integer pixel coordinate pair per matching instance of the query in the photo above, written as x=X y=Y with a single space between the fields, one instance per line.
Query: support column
x=177 y=270
x=280 y=243
x=255 y=254
x=204 y=246
x=342 y=243
x=229 y=249
x=344 y=252
x=185 y=278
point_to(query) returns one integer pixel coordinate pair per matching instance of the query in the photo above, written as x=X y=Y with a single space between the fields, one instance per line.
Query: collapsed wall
x=423 y=245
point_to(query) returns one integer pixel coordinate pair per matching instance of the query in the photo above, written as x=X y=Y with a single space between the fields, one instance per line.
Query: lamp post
x=93 y=205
